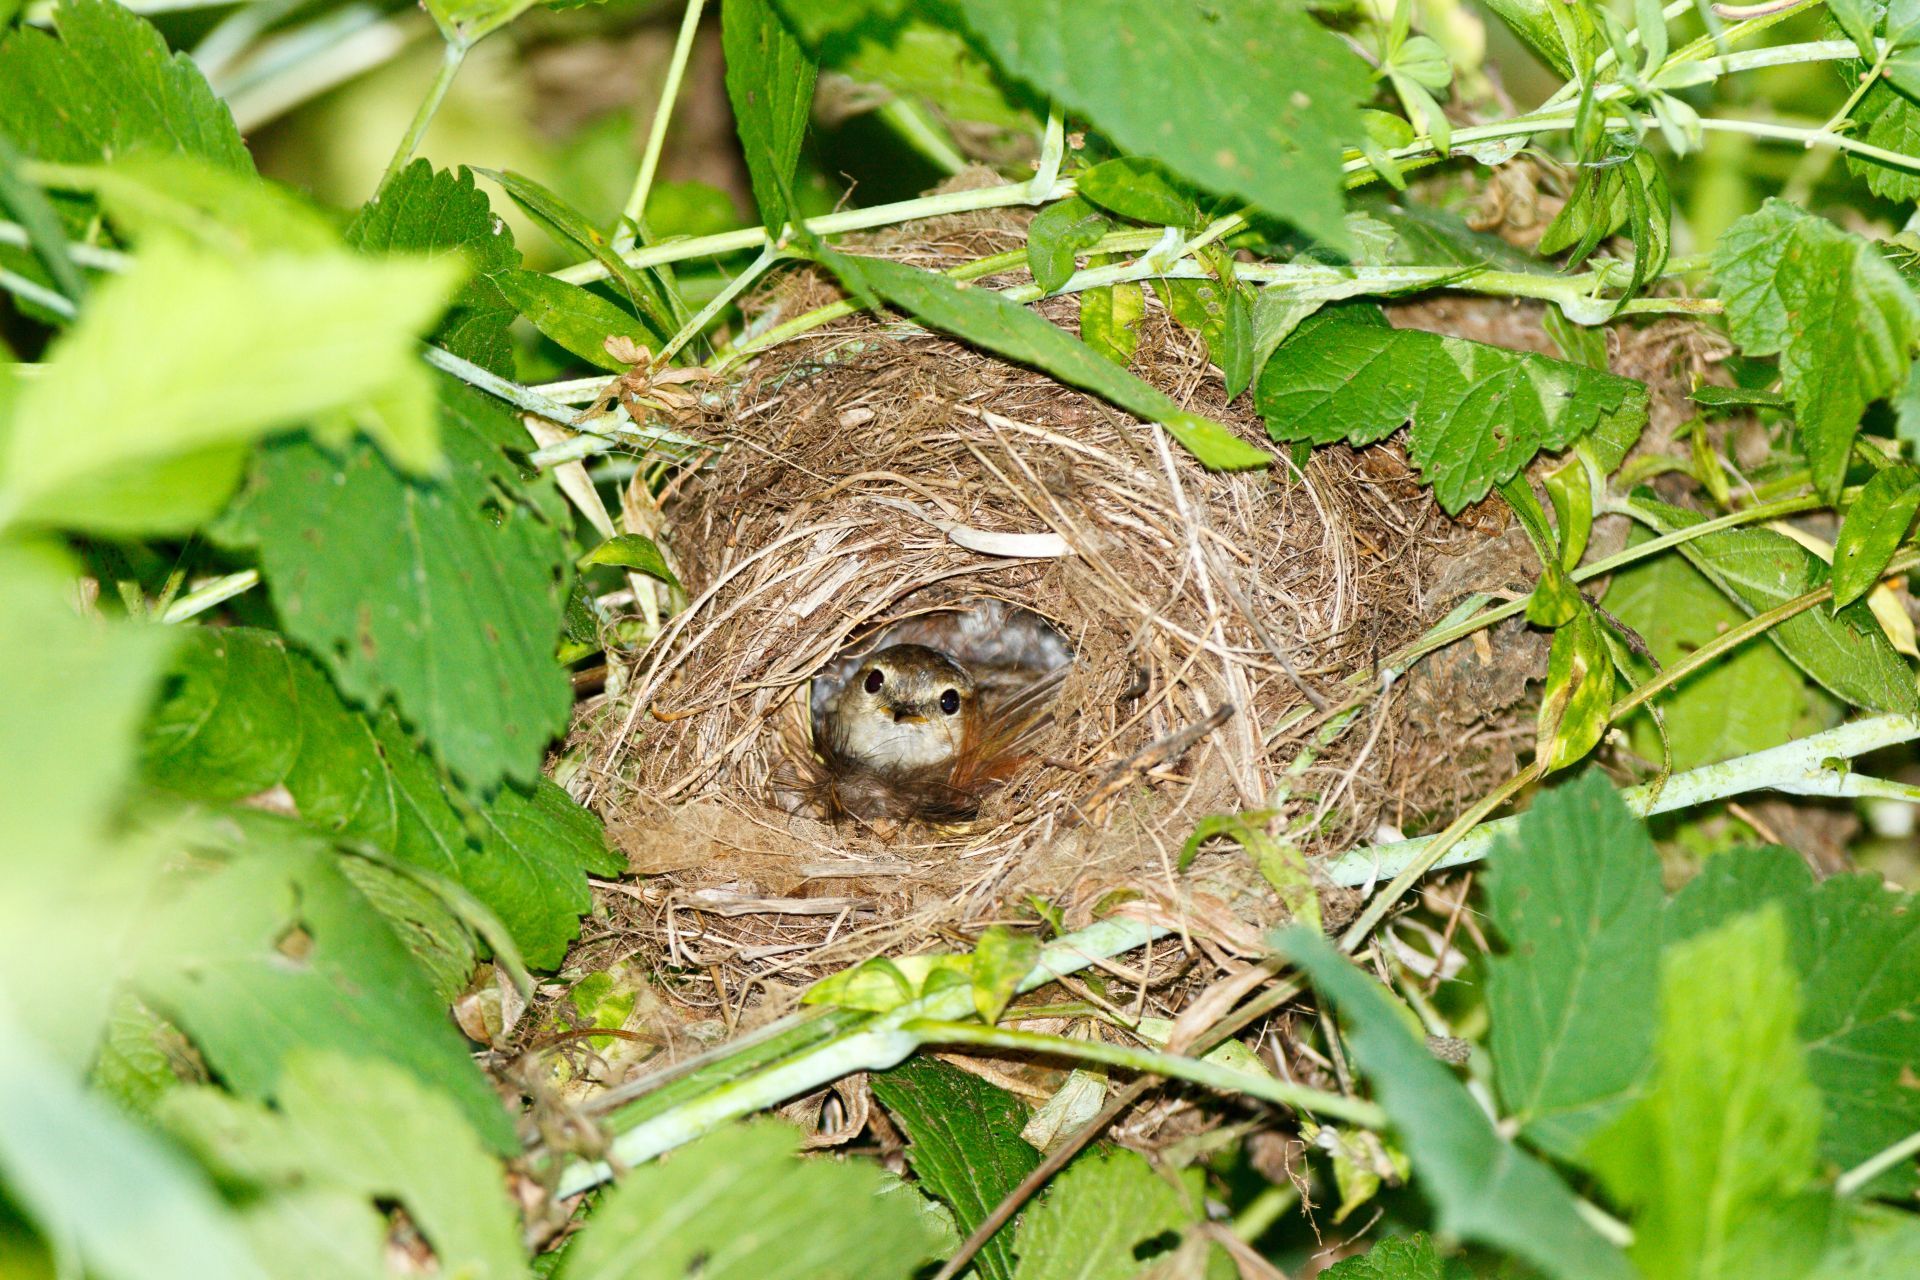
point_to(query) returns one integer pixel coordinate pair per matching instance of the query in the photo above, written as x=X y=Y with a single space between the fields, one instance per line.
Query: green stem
x=768 y=256
x=636 y=206
x=1872 y=1167
x=908 y=121
x=452 y=55
x=1151 y=1061
x=203 y=598
x=1810 y=138
x=617 y=426
x=52 y=299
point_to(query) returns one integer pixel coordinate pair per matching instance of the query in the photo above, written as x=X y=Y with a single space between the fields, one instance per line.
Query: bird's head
x=905 y=707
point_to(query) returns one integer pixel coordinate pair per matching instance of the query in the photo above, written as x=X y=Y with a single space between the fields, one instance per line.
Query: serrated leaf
x=1099 y=57
x=574 y=318
x=1846 y=652
x=737 y=1205
x=1481 y=1187
x=1715 y=1158
x=109 y=86
x=1056 y=234
x=1397 y=1258
x=1875 y=525
x=1885 y=118
x=434 y=212
x=987 y=320
x=1140 y=189
x=1097 y=1216
x=1575 y=894
x=447 y=595
x=1832 y=308
x=214 y=352
x=770 y=84
x=633 y=551
x=1479 y=413
x=243 y=714
x=277 y=953
x=1856 y=947
x=965 y=1145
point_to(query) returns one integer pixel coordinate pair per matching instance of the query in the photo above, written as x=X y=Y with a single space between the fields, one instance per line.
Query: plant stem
x=1810 y=138
x=203 y=598
x=1173 y=1065
x=768 y=256
x=52 y=299
x=617 y=426
x=1873 y=1166
x=636 y=206
x=452 y=55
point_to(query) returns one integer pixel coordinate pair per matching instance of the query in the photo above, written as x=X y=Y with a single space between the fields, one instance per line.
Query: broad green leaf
x=632 y=551
x=1575 y=894
x=434 y=212
x=579 y=320
x=1110 y=320
x=1056 y=234
x=737 y=1205
x=1856 y=947
x=1886 y=118
x=986 y=319
x=364 y=1125
x=142 y=1056
x=243 y=715
x=1096 y=1218
x=770 y=84
x=447 y=594
x=112 y=1196
x=1140 y=189
x=1481 y=1187
x=1876 y=522
x=1579 y=691
x=1882 y=1244
x=1115 y=61
x=1715 y=1158
x=1832 y=308
x=1000 y=960
x=109 y=86
x=219 y=209
x=1398 y=1258
x=965 y=1145
x=317 y=1234
x=1846 y=652
x=1532 y=21
x=1479 y=413
x=208 y=353
x=917 y=59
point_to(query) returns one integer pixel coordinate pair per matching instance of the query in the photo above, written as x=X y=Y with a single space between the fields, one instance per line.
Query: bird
x=906 y=730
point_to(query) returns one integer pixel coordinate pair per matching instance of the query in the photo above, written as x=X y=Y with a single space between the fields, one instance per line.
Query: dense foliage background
x=307 y=459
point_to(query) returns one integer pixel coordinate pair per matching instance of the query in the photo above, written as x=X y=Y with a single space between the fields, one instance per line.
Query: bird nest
x=1217 y=623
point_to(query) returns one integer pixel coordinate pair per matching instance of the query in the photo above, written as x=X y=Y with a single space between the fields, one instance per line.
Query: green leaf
x=632 y=551
x=464 y=22
x=1575 y=894
x=434 y=213
x=1532 y=21
x=1886 y=118
x=770 y=84
x=1715 y=1158
x=737 y=1205
x=243 y=715
x=109 y=86
x=987 y=320
x=1113 y=61
x=1481 y=1187
x=1857 y=950
x=1835 y=311
x=1097 y=1218
x=1110 y=320
x=214 y=352
x=1281 y=863
x=1000 y=960
x=1056 y=234
x=1737 y=397
x=965 y=1145
x=1846 y=652
x=1882 y=1244
x=1140 y=189
x=277 y=953
x=575 y=318
x=446 y=594
x=1875 y=525
x=28 y=205
x=1579 y=691
x=1479 y=413
x=1218 y=311
x=1397 y=1258
x=223 y=210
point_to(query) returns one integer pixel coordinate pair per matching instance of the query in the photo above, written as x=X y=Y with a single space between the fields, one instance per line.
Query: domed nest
x=1220 y=634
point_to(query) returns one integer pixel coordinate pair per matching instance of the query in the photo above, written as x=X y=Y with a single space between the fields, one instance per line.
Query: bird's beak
x=907 y=717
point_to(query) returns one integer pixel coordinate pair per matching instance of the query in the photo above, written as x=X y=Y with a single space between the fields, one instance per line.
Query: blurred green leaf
x=575 y=318
x=142 y=1056
x=1882 y=1245
x=737 y=1205
x=1717 y=1157
x=1575 y=894
x=213 y=352
x=632 y=551
x=1846 y=652
x=916 y=59
x=433 y=212
x=1479 y=413
x=964 y=1145
x=1578 y=693
x=770 y=84
x=1481 y=1187
x=317 y=1234
x=1102 y=58
x=1875 y=525
x=28 y=205
x=447 y=594
x=1832 y=308
x=465 y=22
x=986 y=319
x=1056 y=234
x=1140 y=189
x=220 y=209
x=1097 y=1217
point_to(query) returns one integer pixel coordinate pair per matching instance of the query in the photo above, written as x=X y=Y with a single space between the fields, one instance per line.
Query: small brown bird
x=910 y=731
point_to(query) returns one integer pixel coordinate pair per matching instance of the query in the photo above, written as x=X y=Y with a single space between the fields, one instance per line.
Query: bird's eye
x=950 y=701
x=875 y=680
